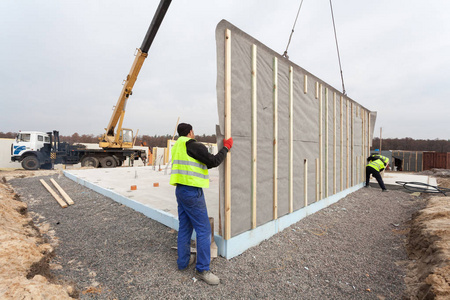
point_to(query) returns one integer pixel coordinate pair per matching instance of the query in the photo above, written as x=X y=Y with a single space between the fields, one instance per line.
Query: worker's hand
x=228 y=143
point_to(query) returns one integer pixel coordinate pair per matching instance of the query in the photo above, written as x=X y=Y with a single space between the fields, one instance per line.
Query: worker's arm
x=200 y=152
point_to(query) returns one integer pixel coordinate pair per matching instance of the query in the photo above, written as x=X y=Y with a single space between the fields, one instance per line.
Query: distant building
x=416 y=161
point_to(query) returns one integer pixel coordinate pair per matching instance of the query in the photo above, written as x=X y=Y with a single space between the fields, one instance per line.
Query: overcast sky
x=62 y=63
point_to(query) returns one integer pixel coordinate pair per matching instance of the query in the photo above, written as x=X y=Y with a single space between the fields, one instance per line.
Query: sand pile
x=24 y=257
x=429 y=246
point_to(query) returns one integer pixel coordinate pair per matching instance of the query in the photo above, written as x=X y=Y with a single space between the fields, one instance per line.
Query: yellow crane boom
x=122 y=137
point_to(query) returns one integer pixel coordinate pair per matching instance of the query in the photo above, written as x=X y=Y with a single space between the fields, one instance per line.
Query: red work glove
x=228 y=143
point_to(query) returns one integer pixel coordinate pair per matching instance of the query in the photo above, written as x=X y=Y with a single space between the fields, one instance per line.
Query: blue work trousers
x=192 y=214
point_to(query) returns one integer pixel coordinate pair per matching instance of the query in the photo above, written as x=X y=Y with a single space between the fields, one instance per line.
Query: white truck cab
x=29 y=141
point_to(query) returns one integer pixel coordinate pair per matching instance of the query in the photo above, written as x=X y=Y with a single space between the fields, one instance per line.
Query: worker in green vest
x=190 y=163
x=377 y=163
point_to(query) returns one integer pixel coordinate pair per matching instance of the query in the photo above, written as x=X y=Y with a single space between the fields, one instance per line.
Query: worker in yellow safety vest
x=190 y=163
x=377 y=163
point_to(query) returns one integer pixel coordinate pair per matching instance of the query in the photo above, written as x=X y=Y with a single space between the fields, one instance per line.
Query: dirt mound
x=7 y=174
x=429 y=248
x=25 y=269
x=437 y=172
x=24 y=256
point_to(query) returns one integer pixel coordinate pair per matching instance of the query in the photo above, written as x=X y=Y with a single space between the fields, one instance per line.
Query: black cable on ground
x=422 y=187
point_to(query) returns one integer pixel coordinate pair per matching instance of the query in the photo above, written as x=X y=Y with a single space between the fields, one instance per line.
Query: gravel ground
x=354 y=249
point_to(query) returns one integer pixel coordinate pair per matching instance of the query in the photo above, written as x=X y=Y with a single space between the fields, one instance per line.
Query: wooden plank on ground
x=54 y=194
x=62 y=192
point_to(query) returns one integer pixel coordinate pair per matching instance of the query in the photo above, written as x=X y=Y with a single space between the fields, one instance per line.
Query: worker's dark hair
x=184 y=129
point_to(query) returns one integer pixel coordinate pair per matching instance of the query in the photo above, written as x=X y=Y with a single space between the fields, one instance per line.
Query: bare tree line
x=141 y=140
x=407 y=144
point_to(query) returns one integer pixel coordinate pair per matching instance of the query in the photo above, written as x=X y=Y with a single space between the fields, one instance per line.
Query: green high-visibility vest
x=185 y=169
x=379 y=164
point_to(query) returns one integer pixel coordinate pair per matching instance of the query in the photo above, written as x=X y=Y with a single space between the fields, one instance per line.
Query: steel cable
x=337 y=48
x=292 y=32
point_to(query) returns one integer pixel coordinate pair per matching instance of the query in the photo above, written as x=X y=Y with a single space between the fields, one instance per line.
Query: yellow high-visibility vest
x=379 y=164
x=185 y=169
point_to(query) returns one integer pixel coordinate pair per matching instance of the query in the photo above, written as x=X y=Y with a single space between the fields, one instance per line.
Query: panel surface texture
x=300 y=127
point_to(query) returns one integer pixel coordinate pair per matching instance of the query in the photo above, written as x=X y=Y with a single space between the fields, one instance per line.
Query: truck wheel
x=118 y=162
x=90 y=161
x=30 y=163
x=108 y=162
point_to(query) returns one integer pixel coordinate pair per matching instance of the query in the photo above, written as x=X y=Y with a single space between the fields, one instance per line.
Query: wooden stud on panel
x=275 y=138
x=305 y=182
x=334 y=143
x=320 y=141
x=341 y=166
x=348 y=148
x=357 y=167
x=366 y=134
x=363 y=143
x=317 y=90
x=254 y=135
x=363 y=168
x=352 y=145
x=326 y=164
x=305 y=84
x=291 y=139
x=317 y=180
x=227 y=229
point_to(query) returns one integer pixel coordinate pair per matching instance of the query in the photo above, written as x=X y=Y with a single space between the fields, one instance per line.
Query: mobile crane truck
x=42 y=150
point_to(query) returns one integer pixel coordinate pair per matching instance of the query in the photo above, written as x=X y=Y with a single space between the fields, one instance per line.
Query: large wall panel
x=284 y=122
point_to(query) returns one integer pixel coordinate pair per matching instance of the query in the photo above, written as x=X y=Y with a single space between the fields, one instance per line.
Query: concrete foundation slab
x=155 y=198
x=390 y=179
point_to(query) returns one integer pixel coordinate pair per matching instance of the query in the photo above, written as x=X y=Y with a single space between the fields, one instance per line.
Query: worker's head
x=184 y=129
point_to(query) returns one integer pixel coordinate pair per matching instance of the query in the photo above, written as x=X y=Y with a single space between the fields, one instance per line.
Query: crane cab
x=123 y=140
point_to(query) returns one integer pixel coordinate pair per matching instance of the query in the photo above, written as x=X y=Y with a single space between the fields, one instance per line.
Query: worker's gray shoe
x=385 y=190
x=208 y=277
